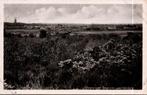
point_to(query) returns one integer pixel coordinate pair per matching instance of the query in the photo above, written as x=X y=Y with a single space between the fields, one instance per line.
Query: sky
x=74 y=13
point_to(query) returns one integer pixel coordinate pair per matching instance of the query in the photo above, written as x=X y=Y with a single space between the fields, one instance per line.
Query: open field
x=73 y=60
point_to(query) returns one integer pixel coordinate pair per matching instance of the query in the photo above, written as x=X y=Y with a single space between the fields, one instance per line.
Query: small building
x=43 y=33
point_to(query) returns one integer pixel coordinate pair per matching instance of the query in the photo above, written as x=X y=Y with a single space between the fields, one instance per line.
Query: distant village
x=41 y=30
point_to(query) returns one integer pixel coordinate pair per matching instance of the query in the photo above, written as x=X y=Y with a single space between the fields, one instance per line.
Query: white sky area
x=76 y=13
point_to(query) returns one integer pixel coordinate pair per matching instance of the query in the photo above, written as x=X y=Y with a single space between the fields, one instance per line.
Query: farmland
x=73 y=57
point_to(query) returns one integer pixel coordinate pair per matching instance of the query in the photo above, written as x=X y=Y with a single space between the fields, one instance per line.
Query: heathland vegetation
x=64 y=61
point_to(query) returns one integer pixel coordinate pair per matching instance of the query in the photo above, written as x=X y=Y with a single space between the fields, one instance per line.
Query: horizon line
x=72 y=23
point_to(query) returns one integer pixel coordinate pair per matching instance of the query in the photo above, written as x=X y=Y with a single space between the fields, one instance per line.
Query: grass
x=73 y=62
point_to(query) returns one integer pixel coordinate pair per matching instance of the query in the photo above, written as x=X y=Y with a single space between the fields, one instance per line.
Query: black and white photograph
x=73 y=46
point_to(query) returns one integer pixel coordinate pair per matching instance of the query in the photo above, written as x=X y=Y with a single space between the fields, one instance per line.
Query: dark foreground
x=91 y=61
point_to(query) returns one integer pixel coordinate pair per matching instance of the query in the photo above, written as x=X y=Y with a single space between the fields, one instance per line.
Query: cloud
x=89 y=12
x=85 y=14
x=45 y=14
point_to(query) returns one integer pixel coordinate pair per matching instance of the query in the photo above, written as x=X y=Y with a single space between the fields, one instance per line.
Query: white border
x=143 y=91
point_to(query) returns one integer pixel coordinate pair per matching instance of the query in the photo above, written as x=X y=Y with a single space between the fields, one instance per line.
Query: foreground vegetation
x=73 y=62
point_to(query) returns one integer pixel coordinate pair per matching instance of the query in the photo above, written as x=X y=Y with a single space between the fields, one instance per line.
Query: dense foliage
x=73 y=62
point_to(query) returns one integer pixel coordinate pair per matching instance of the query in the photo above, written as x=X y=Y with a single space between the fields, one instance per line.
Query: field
x=76 y=60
